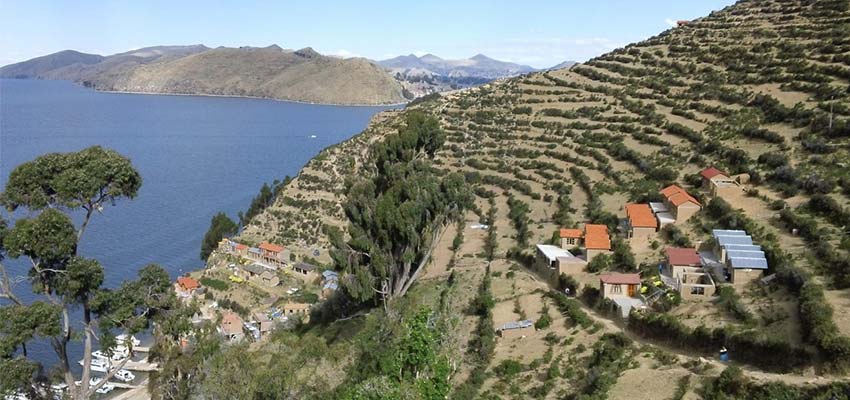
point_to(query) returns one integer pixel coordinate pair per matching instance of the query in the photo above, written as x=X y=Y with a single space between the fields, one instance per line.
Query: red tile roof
x=596 y=237
x=271 y=247
x=571 y=233
x=617 y=278
x=682 y=256
x=678 y=196
x=711 y=172
x=241 y=246
x=640 y=216
x=231 y=323
x=188 y=283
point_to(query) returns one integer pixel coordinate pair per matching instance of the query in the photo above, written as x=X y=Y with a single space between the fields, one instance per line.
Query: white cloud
x=669 y=21
x=343 y=53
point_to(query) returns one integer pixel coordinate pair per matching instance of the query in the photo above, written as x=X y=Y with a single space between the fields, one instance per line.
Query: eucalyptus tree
x=396 y=215
x=46 y=190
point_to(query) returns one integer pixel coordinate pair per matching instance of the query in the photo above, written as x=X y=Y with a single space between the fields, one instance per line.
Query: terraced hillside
x=759 y=88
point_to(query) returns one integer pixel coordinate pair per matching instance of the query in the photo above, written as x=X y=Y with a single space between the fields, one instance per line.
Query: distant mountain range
x=267 y=72
x=429 y=73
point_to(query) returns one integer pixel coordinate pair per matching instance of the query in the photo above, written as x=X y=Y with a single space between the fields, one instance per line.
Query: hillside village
x=651 y=216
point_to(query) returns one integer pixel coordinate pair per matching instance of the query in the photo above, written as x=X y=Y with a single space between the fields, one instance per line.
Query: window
x=616 y=289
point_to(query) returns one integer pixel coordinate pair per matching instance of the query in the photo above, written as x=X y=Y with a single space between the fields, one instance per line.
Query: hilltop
x=758 y=90
x=269 y=72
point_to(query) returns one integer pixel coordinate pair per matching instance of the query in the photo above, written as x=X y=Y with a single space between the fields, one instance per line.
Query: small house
x=305 y=270
x=186 y=286
x=264 y=323
x=681 y=258
x=641 y=222
x=299 y=309
x=516 y=329
x=744 y=261
x=682 y=22
x=231 y=327
x=570 y=238
x=719 y=183
x=662 y=213
x=269 y=279
x=252 y=270
x=241 y=249
x=681 y=204
x=618 y=284
x=744 y=270
x=552 y=261
x=596 y=240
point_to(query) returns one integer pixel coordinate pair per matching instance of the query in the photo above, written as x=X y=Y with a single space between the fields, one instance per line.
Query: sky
x=536 y=33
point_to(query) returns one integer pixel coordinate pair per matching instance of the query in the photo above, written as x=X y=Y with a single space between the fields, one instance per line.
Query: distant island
x=266 y=72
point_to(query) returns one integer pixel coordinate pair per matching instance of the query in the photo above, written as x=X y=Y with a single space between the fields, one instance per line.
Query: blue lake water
x=197 y=156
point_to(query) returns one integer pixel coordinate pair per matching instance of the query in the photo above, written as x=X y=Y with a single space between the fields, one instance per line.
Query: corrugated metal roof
x=727 y=240
x=728 y=232
x=516 y=325
x=744 y=253
x=748 y=263
x=742 y=247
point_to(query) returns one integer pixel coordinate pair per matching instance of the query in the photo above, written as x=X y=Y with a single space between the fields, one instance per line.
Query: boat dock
x=142 y=365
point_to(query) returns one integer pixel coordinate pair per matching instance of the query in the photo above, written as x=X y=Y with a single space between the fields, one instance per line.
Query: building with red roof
x=641 y=221
x=272 y=254
x=596 y=240
x=680 y=203
x=617 y=284
x=186 y=286
x=232 y=327
x=719 y=183
x=570 y=237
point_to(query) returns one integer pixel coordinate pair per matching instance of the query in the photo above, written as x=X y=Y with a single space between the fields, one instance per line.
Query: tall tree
x=396 y=216
x=221 y=226
x=86 y=180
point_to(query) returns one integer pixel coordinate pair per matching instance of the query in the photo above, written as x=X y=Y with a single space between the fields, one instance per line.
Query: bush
x=731 y=302
x=215 y=284
x=745 y=347
x=545 y=320
x=508 y=369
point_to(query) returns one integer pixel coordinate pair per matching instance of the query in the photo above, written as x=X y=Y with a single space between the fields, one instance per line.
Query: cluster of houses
x=264 y=260
x=645 y=219
x=730 y=258
x=234 y=328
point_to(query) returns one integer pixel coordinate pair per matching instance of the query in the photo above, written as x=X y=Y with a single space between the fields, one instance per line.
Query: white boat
x=106 y=388
x=99 y=365
x=118 y=354
x=122 y=340
x=124 y=376
x=312 y=136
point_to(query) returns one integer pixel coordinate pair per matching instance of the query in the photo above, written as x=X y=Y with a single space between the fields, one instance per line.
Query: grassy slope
x=700 y=76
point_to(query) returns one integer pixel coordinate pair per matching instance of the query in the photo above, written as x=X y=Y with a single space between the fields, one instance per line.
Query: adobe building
x=681 y=205
x=719 y=183
x=596 y=241
x=641 y=222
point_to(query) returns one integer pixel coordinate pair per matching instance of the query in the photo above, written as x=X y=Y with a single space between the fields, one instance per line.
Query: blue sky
x=538 y=33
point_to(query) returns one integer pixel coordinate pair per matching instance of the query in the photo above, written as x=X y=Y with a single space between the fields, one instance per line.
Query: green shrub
x=215 y=284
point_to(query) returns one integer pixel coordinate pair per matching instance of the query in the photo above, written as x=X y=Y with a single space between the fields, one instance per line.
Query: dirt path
x=751 y=372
